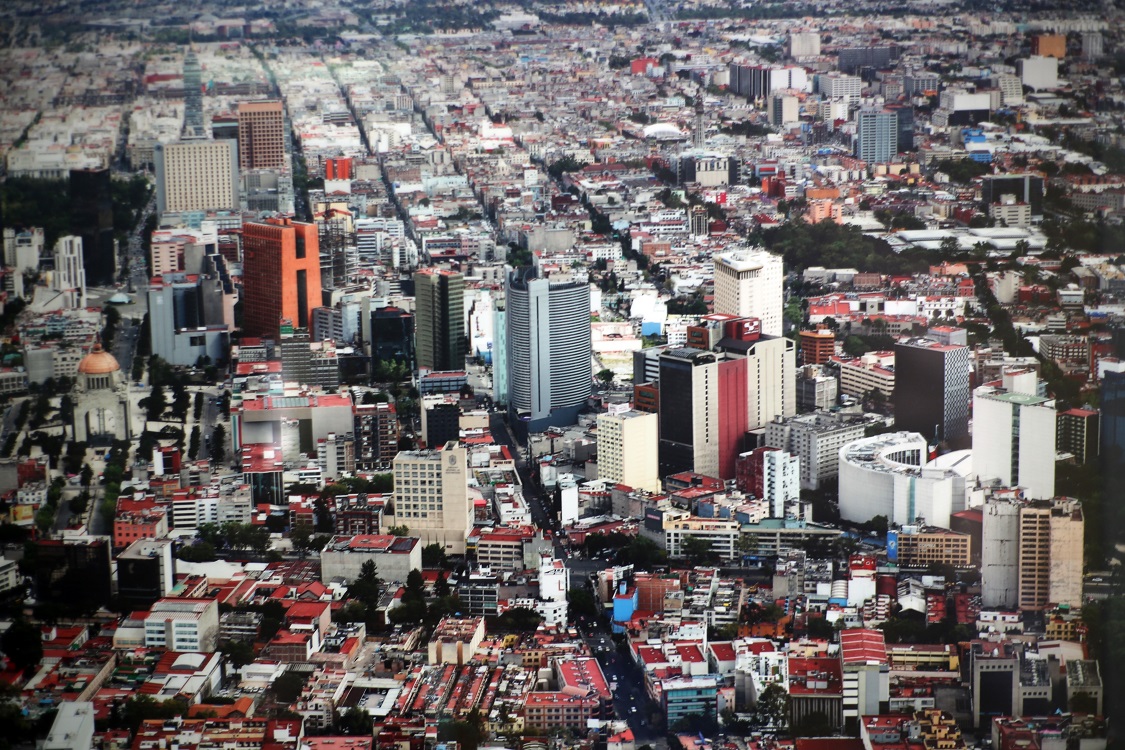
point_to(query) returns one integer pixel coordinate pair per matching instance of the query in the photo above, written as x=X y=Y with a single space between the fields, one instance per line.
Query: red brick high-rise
x=261 y=135
x=280 y=275
x=817 y=347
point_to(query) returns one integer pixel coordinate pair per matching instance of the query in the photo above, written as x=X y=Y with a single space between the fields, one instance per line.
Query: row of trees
x=45 y=516
x=239 y=537
x=156 y=403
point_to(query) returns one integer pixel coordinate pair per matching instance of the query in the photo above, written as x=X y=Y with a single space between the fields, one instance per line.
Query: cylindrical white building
x=885 y=475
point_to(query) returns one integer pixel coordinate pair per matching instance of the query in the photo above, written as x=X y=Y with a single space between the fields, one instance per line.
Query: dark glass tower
x=91 y=218
x=1113 y=419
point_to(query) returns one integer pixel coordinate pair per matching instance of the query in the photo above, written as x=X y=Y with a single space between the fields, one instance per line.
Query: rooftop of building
x=373 y=544
x=1022 y=399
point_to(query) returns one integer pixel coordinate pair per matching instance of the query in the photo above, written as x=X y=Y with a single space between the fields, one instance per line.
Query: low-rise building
x=394 y=557
x=180 y=624
x=923 y=546
x=455 y=640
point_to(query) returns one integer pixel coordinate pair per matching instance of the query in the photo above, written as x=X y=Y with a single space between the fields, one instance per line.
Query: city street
x=629 y=698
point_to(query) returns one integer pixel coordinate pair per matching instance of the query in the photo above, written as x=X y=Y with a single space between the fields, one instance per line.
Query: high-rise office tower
x=196 y=175
x=1050 y=554
x=1025 y=188
x=1078 y=434
x=876 y=135
x=22 y=250
x=280 y=275
x=146 y=572
x=748 y=283
x=193 y=97
x=700 y=222
x=376 y=436
x=754 y=382
x=759 y=81
x=771 y=376
x=70 y=273
x=549 y=350
x=190 y=315
x=817 y=346
x=440 y=319
x=1000 y=536
x=432 y=496
x=296 y=354
x=689 y=412
x=627 y=449
x=803 y=45
x=390 y=337
x=699 y=127
x=261 y=135
x=931 y=393
x=499 y=353
x=783 y=109
x=76 y=571
x=1049 y=45
x=772 y=475
x=1032 y=552
x=838 y=86
x=1113 y=419
x=91 y=218
x=1093 y=45
x=853 y=59
x=1014 y=437
x=904 y=115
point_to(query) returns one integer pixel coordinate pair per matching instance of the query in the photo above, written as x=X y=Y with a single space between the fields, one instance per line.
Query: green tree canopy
x=23 y=645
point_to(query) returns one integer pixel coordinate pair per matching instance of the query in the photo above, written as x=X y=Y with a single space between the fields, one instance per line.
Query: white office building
x=1000 y=538
x=748 y=283
x=548 y=325
x=1039 y=72
x=781 y=481
x=816 y=440
x=432 y=496
x=69 y=276
x=22 y=249
x=839 y=86
x=183 y=625
x=886 y=475
x=1014 y=439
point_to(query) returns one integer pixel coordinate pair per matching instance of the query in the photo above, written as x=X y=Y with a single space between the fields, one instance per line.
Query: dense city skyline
x=618 y=376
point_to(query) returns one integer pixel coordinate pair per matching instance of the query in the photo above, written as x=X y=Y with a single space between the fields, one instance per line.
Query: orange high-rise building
x=1049 y=45
x=817 y=347
x=339 y=168
x=280 y=275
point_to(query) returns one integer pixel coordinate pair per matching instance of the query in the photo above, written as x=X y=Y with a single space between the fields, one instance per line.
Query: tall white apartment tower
x=627 y=449
x=70 y=271
x=748 y=283
x=1014 y=437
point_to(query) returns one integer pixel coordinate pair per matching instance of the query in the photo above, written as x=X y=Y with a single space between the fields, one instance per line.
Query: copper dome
x=98 y=362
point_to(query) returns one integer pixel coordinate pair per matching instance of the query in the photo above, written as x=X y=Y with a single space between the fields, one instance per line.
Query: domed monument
x=101 y=409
